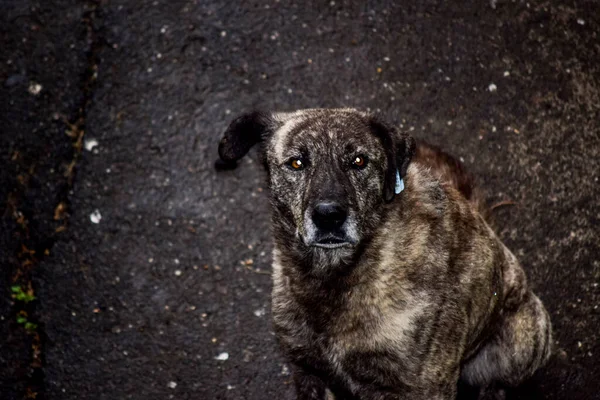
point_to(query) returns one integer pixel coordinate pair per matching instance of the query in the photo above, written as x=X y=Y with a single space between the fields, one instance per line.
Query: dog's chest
x=335 y=336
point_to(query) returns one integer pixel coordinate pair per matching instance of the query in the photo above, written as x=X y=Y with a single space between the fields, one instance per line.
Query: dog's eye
x=297 y=163
x=359 y=162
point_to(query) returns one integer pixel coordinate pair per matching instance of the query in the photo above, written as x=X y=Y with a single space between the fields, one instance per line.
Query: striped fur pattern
x=421 y=295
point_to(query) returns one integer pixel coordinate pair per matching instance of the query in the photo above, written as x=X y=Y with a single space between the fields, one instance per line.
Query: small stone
x=492 y=87
x=177 y=272
x=34 y=88
x=222 y=357
x=95 y=217
x=89 y=144
x=580 y=21
x=172 y=384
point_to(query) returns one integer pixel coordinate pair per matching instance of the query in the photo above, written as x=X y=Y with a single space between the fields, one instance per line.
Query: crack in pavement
x=33 y=247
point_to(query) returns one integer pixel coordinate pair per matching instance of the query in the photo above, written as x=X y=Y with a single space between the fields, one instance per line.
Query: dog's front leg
x=308 y=386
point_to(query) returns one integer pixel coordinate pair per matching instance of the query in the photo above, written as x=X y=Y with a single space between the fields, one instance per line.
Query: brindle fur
x=428 y=295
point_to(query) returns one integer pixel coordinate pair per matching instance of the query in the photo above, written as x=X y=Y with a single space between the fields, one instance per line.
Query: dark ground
x=176 y=271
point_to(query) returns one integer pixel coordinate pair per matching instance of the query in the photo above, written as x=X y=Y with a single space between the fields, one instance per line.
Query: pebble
x=492 y=87
x=172 y=384
x=34 y=88
x=95 y=217
x=222 y=357
x=90 y=144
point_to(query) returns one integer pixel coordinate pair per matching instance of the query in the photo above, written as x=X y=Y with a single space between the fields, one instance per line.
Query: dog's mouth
x=331 y=242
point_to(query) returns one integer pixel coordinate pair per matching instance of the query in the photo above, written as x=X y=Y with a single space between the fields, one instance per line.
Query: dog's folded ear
x=399 y=149
x=243 y=133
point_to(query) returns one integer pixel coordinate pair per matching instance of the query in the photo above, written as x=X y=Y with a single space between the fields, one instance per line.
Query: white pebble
x=90 y=144
x=95 y=217
x=492 y=87
x=222 y=357
x=34 y=88
x=580 y=21
x=172 y=384
x=177 y=272
x=260 y=312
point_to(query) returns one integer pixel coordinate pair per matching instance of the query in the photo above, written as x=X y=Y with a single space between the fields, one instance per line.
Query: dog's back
x=449 y=170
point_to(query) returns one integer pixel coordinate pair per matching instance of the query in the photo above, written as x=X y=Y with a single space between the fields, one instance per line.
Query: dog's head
x=331 y=172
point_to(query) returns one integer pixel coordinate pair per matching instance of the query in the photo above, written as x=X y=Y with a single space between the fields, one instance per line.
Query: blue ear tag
x=399 y=183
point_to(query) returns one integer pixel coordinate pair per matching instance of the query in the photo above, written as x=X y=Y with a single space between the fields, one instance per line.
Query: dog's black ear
x=385 y=134
x=243 y=133
x=399 y=149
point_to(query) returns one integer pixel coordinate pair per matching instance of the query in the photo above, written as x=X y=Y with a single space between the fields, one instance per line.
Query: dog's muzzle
x=328 y=226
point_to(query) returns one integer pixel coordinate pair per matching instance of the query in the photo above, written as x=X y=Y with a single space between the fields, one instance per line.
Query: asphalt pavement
x=132 y=269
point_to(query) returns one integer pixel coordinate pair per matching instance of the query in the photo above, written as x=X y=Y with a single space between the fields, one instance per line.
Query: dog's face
x=330 y=171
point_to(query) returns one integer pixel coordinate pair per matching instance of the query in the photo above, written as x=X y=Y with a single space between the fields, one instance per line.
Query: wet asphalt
x=148 y=271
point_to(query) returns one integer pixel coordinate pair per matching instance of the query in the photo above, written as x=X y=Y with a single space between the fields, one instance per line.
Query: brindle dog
x=380 y=291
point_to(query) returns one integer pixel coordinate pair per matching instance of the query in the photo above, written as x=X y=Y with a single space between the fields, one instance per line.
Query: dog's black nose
x=329 y=215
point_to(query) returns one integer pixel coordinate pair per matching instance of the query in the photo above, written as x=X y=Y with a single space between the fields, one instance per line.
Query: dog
x=388 y=281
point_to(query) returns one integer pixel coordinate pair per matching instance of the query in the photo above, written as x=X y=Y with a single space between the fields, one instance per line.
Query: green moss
x=21 y=295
